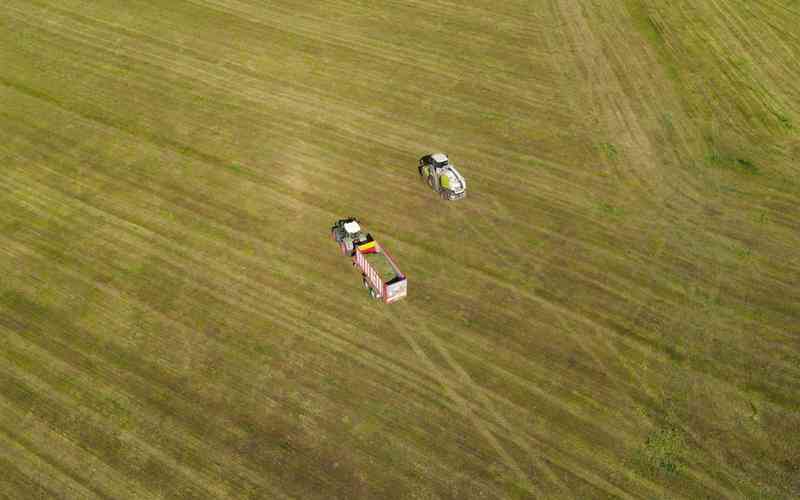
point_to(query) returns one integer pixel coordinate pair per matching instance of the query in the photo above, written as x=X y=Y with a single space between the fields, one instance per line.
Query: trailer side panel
x=372 y=275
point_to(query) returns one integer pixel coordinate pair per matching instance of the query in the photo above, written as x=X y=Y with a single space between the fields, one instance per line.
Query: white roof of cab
x=439 y=157
x=352 y=227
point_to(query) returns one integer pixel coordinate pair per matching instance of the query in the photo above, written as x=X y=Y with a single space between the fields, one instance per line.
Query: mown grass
x=175 y=321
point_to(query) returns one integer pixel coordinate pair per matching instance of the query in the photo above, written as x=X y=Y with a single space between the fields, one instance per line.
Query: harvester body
x=379 y=272
x=442 y=176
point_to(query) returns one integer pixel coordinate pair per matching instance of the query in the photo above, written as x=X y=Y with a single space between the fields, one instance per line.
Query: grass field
x=612 y=312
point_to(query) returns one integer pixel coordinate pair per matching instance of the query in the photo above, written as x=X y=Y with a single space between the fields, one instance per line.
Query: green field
x=612 y=312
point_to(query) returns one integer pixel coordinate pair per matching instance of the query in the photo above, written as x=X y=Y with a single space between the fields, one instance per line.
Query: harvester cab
x=442 y=176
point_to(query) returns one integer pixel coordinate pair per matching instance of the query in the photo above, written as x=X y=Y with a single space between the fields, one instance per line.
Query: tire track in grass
x=40 y=468
x=516 y=256
x=400 y=128
x=21 y=482
x=504 y=431
x=616 y=353
x=141 y=381
x=451 y=390
x=599 y=340
x=496 y=426
x=78 y=367
x=485 y=221
x=81 y=422
x=605 y=366
x=216 y=69
x=219 y=75
x=758 y=78
x=77 y=151
x=175 y=147
x=587 y=43
x=475 y=348
x=598 y=72
x=627 y=103
x=307 y=27
x=595 y=469
x=549 y=304
x=515 y=260
x=485 y=397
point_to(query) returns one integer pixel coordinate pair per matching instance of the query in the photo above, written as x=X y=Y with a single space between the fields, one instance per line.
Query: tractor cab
x=348 y=234
x=439 y=160
x=442 y=176
x=351 y=227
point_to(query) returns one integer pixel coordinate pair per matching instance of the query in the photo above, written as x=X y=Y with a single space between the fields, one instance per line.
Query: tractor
x=442 y=176
x=348 y=233
x=379 y=272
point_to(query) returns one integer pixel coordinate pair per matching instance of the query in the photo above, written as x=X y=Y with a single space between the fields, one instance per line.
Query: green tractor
x=348 y=234
x=442 y=176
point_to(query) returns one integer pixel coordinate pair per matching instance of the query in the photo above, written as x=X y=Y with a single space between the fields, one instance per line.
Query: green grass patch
x=609 y=209
x=663 y=452
x=785 y=121
x=608 y=150
x=717 y=159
